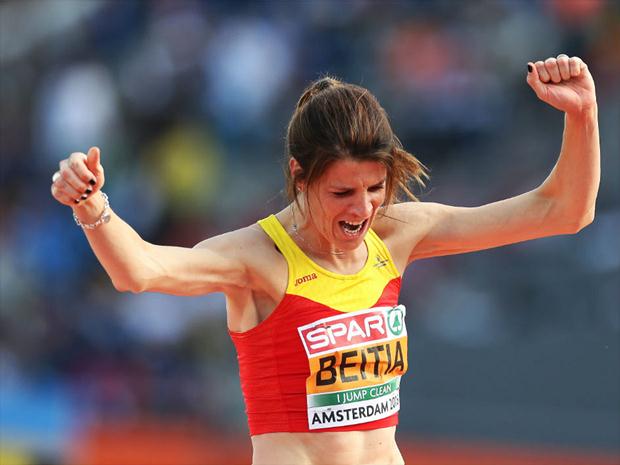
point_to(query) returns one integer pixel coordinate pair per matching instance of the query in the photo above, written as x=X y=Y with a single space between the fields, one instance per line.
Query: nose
x=362 y=206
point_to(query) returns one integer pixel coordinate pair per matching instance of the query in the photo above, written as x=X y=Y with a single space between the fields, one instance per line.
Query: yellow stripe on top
x=344 y=293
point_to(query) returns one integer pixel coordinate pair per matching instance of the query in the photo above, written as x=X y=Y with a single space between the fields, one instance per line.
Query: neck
x=303 y=232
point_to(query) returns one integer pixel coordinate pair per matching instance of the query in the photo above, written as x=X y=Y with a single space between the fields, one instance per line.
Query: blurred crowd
x=189 y=102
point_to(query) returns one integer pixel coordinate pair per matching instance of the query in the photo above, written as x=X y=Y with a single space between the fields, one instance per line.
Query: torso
x=248 y=307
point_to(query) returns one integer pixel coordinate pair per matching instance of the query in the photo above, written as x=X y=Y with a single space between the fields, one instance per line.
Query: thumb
x=93 y=160
x=533 y=79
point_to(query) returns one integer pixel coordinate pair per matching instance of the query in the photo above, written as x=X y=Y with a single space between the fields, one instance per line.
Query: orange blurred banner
x=458 y=453
x=185 y=443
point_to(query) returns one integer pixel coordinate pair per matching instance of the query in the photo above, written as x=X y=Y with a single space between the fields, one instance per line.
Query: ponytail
x=315 y=88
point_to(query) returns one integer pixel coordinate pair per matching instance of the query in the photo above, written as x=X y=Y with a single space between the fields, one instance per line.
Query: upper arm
x=424 y=229
x=217 y=264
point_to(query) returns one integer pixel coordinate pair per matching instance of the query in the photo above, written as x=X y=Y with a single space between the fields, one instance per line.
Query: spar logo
x=353 y=329
x=396 y=320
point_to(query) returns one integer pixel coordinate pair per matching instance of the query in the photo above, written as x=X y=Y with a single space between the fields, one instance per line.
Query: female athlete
x=312 y=291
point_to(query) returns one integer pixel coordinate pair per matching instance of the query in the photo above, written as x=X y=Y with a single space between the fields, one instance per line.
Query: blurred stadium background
x=514 y=351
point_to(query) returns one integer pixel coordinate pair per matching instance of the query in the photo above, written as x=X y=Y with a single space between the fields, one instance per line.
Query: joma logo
x=305 y=279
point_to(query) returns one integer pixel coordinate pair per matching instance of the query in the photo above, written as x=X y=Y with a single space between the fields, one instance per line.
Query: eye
x=342 y=193
x=377 y=188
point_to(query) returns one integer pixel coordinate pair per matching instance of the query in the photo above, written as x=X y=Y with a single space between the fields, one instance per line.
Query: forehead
x=350 y=172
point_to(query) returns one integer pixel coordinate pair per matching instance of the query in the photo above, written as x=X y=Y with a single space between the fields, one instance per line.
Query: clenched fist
x=78 y=178
x=564 y=83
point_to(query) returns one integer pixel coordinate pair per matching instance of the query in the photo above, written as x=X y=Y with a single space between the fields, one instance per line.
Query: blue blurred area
x=189 y=103
x=37 y=415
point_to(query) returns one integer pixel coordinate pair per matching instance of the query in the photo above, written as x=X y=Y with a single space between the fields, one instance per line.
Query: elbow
x=586 y=221
x=135 y=286
x=580 y=222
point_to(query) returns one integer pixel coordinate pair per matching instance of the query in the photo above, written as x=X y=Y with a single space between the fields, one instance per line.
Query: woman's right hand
x=80 y=176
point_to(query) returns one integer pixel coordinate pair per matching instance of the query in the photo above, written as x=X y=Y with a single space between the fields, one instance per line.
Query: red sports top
x=331 y=354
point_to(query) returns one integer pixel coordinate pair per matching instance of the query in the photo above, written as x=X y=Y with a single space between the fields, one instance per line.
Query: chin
x=350 y=245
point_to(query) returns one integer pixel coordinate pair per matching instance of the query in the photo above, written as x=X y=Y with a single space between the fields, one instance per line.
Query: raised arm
x=134 y=264
x=564 y=203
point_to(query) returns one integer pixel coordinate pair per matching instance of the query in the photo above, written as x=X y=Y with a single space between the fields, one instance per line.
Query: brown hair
x=335 y=120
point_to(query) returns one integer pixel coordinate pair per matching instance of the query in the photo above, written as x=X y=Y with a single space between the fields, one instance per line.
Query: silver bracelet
x=103 y=218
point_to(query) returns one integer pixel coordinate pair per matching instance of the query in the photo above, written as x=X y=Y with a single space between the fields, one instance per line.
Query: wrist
x=589 y=111
x=92 y=212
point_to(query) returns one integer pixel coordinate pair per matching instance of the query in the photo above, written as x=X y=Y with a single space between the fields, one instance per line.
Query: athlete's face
x=344 y=202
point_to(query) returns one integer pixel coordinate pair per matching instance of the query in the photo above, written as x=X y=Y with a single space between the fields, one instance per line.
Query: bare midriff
x=374 y=447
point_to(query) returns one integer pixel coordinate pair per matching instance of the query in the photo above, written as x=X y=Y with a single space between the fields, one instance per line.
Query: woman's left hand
x=564 y=83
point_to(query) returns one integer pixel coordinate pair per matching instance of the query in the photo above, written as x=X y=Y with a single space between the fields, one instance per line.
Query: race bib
x=356 y=360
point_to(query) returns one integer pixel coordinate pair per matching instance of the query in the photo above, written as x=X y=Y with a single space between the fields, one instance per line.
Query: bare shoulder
x=406 y=215
x=245 y=240
x=250 y=246
x=403 y=226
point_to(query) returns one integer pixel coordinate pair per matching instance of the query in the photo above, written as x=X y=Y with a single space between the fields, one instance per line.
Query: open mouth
x=352 y=229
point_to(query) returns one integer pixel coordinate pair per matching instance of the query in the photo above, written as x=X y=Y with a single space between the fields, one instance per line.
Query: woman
x=312 y=292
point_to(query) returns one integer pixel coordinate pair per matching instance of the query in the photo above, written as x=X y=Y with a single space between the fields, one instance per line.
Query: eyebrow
x=341 y=187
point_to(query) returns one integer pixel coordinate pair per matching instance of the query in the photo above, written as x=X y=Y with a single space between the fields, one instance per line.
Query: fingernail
x=76 y=201
x=89 y=190
x=529 y=68
x=92 y=182
x=84 y=197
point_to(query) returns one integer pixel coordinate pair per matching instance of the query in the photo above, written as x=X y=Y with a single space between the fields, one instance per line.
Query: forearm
x=119 y=249
x=574 y=181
